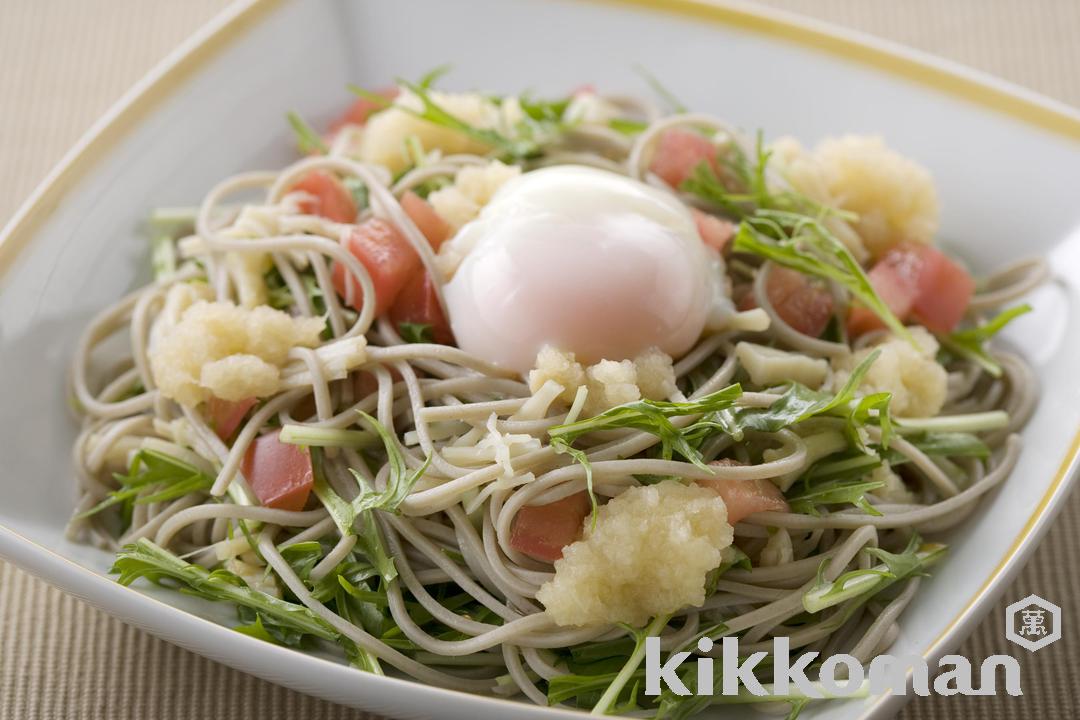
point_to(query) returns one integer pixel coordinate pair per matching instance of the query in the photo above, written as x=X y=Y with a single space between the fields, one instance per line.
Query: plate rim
x=950 y=78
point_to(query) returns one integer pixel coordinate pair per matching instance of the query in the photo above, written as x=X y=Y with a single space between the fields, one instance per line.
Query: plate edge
x=160 y=83
x=891 y=58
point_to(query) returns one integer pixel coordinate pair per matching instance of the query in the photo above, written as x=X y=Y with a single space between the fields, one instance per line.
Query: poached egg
x=584 y=260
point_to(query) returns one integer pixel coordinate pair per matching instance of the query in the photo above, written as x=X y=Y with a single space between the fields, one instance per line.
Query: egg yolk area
x=584 y=260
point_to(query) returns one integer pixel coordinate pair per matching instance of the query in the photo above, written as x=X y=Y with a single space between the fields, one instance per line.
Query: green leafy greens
x=346 y=513
x=630 y=669
x=400 y=481
x=163 y=256
x=812 y=250
x=652 y=416
x=970 y=344
x=806 y=497
x=153 y=477
x=264 y=617
x=307 y=140
x=893 y=567
x=755 y=194
x=144 y=559
x=719 y=414
x=676 y=105
x=416 y=332
x=541 y=121
x=783 y=225
x=799 y=403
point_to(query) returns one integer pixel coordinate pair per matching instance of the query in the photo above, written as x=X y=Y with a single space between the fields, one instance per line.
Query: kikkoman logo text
x=838 y=675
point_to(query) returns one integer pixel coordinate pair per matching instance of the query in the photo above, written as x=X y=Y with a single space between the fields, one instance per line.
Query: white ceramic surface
x=1007 y=165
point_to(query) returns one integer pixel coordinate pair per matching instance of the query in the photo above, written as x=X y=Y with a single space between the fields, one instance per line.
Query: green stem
x=612 y=693
x=973 y=422
x=325 y=437
x=144 y=558
x=874 y=579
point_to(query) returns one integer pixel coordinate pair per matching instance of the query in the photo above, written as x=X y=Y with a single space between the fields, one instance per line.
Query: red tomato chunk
x=919 y=283
x=418 y=303
x=678 y=152
x=388 y=257
x=226 y=415
x=802 y=303
x=542 y=531
x=427 y=220
x=746 y=497
x=715 y=232
x=279 y=474
x=329 y=198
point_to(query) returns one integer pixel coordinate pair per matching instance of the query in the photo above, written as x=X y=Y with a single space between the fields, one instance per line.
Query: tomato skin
x=329 y=198
x=363 y=108
x=715 y=232
x=678 y=152
x=418 y=303
x=803 y=304
x=427 y=220
x=542 y=531
x=227 y=415
x=279 y=474
x=861 y=321
x=365 y=382
x=388 y=257
x=745 y=497
x=919 y=283
x=945 y=291
x=894 y=288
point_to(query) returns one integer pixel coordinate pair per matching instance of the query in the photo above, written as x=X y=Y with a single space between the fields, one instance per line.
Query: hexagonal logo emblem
x=1033 y=623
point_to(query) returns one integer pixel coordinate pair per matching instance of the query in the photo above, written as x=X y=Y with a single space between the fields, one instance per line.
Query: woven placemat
x=63 y=62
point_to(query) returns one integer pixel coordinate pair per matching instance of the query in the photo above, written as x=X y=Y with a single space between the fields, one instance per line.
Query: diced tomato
x=799 y=301
x=745 y=497
x=418 y=303
x=542 y=531
x=329 y=198
x=226 y=415
x=362 y=108
x=420 y=212
x=365 y=382
x=279 y=474
x=919 y=283
x=388 y=257
x=861 y=321
x=895 y=289
x=715 y=232
x=678 y=152
x=945 y=289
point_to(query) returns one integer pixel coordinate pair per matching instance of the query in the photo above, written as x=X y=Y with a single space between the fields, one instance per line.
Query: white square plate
x=1007 y=165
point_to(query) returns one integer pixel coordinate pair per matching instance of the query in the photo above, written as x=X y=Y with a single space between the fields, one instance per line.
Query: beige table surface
x=63 y=62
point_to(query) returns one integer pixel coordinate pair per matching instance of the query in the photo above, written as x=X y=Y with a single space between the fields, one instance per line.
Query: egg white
x=585 y=260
